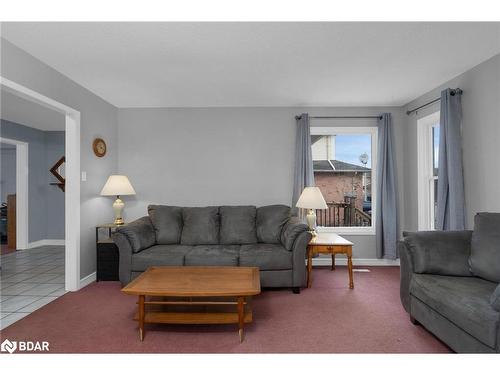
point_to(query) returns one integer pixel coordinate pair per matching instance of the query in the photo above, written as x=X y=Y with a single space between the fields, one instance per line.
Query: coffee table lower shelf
x=218 y=311
x=194 y=317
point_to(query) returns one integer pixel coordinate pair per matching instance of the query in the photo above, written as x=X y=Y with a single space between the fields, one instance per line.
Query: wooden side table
x=329 y=243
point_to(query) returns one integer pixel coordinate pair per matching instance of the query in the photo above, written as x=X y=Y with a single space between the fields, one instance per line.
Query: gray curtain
x=450 y=194
x=387 y=212
x=303 y=175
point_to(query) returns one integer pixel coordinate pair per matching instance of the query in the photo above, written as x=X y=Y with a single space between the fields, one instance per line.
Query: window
x=428 y=165
x=344 y=170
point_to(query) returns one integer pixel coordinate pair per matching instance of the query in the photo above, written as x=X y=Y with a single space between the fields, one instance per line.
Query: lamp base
x=118 y=221
x=118 y=208
x=313 y=233
x=311 y=221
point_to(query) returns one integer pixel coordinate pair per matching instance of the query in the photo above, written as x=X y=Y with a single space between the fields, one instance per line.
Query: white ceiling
x=24 y=112
x=258 y=64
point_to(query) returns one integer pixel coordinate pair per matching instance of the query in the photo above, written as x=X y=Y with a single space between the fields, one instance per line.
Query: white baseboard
x=89 y=279
x=327 y=261
x=46 y=242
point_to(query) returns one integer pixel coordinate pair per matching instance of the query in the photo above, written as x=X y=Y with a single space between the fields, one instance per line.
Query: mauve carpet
x=328 y=318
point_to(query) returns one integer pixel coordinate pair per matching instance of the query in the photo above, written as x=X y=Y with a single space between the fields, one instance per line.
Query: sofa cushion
x=167 y=221
x=140 y=233
x=270 y=221
x=485 y=249
x=462 y=300
x=495 y=298
x=266 y=256
x=160 y=255
x=201 y=226
x=440 y=252
x=213 y=255
x=237 y=225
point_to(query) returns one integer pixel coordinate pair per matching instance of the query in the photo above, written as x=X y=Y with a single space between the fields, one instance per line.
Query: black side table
x=107 y=255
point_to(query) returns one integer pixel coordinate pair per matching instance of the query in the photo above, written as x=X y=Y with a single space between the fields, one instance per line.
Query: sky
x=348 y=148
x=436 y=146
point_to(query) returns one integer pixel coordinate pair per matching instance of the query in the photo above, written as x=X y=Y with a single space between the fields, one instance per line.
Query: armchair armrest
x=406 y=270
x=439 y=252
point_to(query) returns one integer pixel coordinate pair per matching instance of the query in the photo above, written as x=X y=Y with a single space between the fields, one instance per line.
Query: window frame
x=345 y=130
x=425 y=170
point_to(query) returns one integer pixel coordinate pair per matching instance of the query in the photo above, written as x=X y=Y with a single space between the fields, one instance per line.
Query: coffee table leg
x=333 y=261
x=241 y=317
x=349 y=266
x=141 y=318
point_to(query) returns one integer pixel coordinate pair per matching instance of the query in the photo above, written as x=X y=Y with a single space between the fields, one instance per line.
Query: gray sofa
x=266 y=237
x=450 y=284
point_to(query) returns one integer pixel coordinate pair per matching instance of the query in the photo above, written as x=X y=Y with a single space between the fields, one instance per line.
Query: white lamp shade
x=118 y=185
x=311 y=198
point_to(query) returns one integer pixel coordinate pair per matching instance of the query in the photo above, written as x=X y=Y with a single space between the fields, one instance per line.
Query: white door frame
x=22 y=224
x=72 y=169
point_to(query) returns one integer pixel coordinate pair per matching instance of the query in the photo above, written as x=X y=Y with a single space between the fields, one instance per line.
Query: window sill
x=348 y=231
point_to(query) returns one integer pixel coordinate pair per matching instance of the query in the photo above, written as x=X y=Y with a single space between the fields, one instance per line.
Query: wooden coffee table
x=195 y=295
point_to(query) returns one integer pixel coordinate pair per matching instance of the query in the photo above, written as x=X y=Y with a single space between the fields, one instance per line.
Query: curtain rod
x=453 y=92
x=341 y=117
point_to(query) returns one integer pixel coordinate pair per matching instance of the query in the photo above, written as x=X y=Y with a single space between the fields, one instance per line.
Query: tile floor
x=29 y=279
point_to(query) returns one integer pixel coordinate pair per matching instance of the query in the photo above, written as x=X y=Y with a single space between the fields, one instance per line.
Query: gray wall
x=481 y=140
x=215 y=156
x=7 y=171
x=54 y=150
x=98 y=119
x=45 y=203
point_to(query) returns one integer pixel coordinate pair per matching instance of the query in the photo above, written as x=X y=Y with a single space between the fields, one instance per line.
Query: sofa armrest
x=125 y=262
x=140 y=233
x=298 y=258
x=440 y=252
x=291 y=231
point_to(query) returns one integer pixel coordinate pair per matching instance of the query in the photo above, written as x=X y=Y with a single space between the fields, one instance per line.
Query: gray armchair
x=449 y=284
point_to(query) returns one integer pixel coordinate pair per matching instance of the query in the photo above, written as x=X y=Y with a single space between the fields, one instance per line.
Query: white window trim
x=425 y=170
x=343 y=130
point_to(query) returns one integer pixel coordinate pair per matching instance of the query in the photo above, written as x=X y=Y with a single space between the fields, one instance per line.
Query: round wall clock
x=99 y=147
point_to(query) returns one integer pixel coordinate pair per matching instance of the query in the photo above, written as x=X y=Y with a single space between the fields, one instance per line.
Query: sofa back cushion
x=441 y=253
x=140 y=233
x=485 y=249
x=270 y=221
x=237 y=225
x=167 y=222
x=201 y=226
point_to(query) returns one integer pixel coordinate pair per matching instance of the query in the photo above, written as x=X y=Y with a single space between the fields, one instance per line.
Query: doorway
x=32 y=272
x=72 y=171
x=14 y=193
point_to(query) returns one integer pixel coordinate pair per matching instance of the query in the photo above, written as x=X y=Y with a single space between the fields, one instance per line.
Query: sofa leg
x=414 y=321
x=296 y=290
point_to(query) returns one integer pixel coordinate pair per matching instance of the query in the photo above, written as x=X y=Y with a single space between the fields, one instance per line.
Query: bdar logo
x=8 y=346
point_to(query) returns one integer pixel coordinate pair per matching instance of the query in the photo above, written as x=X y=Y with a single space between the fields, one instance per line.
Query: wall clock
x=99 y=147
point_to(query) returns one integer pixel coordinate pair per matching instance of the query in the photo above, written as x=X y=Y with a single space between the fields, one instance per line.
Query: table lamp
x=118 y=185
x=311 y=199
